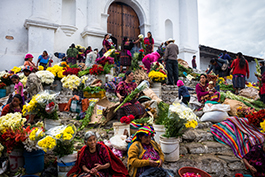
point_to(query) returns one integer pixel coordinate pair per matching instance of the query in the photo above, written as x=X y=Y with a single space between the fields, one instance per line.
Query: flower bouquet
x=64 y=136
x=71 y=82
x=34 y=135
x=47 y=143
x=256 y=118
x=141 y=37
x=71 y=71
x=15 y=69
x=39 y=103
x=243 y=112
x=103 y=60
x=2 y=85
x=46 y=77
x=13 y=133
x=143 y=85
x=157 y=76
x=127 y=119
x=57 y=71
x=96 y=70
x=179 y=119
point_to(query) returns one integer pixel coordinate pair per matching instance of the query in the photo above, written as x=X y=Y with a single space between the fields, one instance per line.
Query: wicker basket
x=192 y=170
x=99 y=95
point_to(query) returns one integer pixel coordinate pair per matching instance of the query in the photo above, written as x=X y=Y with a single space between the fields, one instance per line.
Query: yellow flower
x=191 y=124
x=40 y=68
x=157 y=76
x=47 y=143
x=16 y=69
x=262 y=125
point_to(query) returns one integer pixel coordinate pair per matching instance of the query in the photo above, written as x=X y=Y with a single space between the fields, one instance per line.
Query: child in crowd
x=211 y=86
x=18 y=86
x=183 y=92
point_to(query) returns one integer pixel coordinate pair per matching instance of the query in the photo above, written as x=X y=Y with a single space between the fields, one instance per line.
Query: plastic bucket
x=120 y=127
x=2 y=93
x=156 y=87
x=49 y=123
x=34 y=161
x=170 y=148
x=65 y=163
x=160 y=130
x=16 y=160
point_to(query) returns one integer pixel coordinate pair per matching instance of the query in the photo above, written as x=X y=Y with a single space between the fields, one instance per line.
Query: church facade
x=31 y=26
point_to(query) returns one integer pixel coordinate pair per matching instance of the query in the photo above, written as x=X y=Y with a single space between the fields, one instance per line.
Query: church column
x=40 y=29
x=155 y=21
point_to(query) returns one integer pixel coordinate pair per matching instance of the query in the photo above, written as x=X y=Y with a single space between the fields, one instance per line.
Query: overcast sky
x=234 y=25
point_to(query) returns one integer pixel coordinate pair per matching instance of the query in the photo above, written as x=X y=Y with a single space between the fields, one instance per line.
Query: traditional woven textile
x=236 y=133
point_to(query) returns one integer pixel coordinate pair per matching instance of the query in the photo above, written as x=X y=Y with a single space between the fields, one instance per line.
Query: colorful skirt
x=239 y=81
x=125 y=59
x=148 y=49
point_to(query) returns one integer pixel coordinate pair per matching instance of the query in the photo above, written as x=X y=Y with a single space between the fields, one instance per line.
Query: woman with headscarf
x=149 y=43
x=97 y=160
x=145 y=155
x=124 y=89
x=29 y=62
x=239 y=70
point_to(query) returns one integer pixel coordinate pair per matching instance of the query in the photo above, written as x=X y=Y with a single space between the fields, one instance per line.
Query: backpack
x=225 y=65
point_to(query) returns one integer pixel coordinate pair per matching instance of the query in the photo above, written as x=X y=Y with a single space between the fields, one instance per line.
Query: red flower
x=256 y=118
x=131 y=117
x=141 y=50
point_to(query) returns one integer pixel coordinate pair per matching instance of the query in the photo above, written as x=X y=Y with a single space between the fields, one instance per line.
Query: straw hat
x=170 y=40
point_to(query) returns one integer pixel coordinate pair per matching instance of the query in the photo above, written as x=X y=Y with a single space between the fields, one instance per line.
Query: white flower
x=71 y=82
x=140 y=36
x=46 y=77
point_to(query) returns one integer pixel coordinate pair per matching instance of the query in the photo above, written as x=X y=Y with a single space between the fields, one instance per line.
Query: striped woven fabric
x=236 y=133
x=148 y=130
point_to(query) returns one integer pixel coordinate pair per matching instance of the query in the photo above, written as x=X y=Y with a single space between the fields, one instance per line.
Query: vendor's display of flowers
x=47 y=143
x=103 y=60
x=71 y=71
x=157 y=76
x=40 y=68
x=57 y=71
x=64 y=65
x=96 y=70
x=180 y=118
x=243 y=112
x=16 y=69
x=11 y=121
x=256 y=118
x=249 y=84
x=43 y=104
x=46 y=77
x=71 y=82
x=262 y=125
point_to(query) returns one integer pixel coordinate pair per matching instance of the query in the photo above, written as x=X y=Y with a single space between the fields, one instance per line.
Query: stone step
x=214 y=165
x=206 y=147
x=198 y=135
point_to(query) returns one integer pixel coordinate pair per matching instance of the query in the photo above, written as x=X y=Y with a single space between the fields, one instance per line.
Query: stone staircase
x=199 y=149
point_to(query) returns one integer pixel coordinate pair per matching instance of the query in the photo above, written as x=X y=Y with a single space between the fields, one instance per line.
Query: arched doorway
x=122 y=21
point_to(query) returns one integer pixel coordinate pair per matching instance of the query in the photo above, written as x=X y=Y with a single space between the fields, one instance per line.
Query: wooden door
x=123 y=21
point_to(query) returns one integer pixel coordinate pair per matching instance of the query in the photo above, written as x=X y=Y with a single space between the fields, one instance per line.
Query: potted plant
x=179 y=119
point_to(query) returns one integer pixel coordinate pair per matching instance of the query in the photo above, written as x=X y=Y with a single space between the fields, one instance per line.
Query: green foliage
x=183 y=69
x=222 y=97
x=141 y=121
x=93 y=90
x=174 y=126
x=162 y=112
x=107 y=68
x=87 y=118
x=43 y=114
x=73 y=66
x=226 y=87
x=121 y=75
x=258 y=103
x=84 y=72
x=63 y=148
x=135 y=65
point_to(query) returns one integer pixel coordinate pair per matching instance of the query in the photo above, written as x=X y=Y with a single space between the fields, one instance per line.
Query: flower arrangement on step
x=42 y=104
x=105 y=59
x=63 y=136
x=143 y=85
x=71 y=82
x=57 y=71
x=179 y=119
x=12 y=131
x=256 y=118
x=71 y=71
x=46 y=77
x=243 y=112
x=157 y=76
x=34 y=135
x=15 y=69
x=99 y=69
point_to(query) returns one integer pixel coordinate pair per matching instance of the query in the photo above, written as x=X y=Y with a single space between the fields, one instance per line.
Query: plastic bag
x=118 y=142
x=63 y=132
x=214 y=116
x=216 y=107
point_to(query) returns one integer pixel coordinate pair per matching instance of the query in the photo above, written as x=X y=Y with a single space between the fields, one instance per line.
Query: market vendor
x=144 y=154
x=16 y=105
x=29 y=62
x=43 y=59
x=152 y=57
x=96 y=159
x=123 y=89
x=33 y=85
x=201 y=88
x=255 y=160
x=216 y=66
x=106 y=44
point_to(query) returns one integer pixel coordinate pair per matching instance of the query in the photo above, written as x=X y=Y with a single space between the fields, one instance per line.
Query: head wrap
x=147 y=130
x=28 y=56
x=88 y=134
